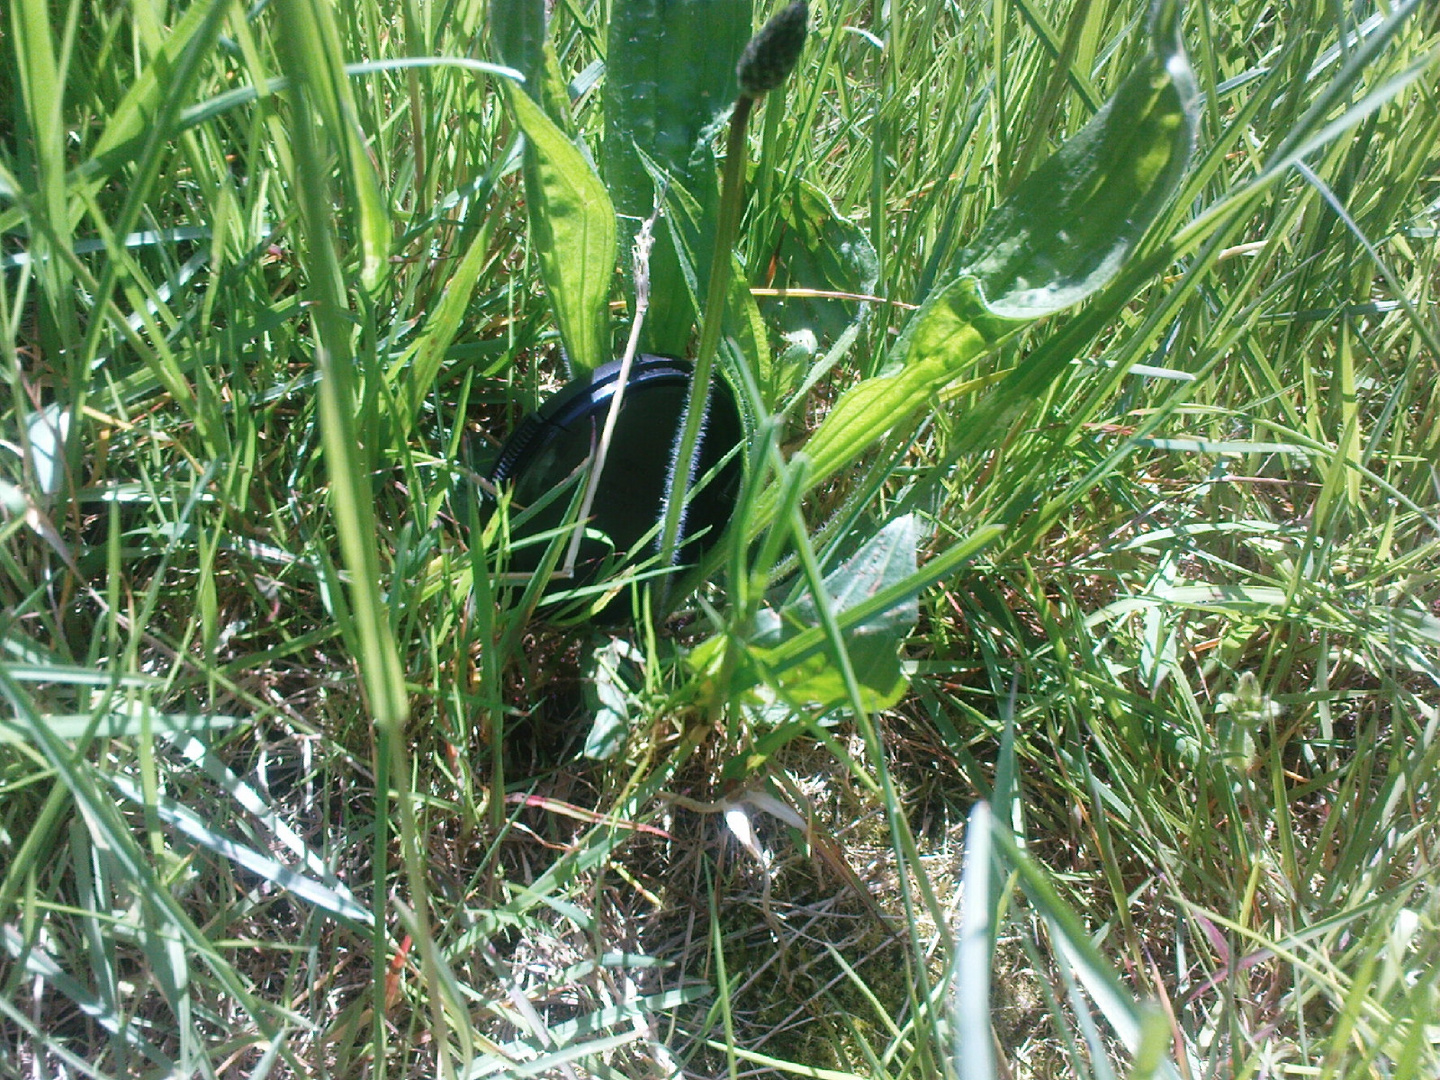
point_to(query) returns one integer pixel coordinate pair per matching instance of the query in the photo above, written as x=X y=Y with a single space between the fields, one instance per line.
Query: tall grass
x=290 y=783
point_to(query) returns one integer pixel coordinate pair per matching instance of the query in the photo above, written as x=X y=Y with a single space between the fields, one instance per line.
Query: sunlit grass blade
x=973 y=1051
x=348 y=456
x=1082 y=960
x=109 y=830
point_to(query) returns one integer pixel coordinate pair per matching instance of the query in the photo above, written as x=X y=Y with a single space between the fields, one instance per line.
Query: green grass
x=290 y=782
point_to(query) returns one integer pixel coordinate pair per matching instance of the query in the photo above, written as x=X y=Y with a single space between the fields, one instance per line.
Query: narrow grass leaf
x=337 y=900
x=40 y=964
x=38 y=111
x=306 y=58
x=46 y=431
x=50 y=1042
x=1236 y=447
x=567 y=1032
x=108 y=830
x=1155 y=1039
x=553 y=1059
x=224 y=102
x=312 y=57
x=418 y=369
x=783 y=1065
x=196 y=751
x=70 y=675
x=973 y=1051
x=1076 y=949
x=130 y=123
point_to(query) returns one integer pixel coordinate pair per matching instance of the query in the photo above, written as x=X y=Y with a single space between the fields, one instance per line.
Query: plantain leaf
x=610 y=673
x=686 y=258
x=554 y=94
x=1064 y=233
x=670 y=72
x=868 y=591
x=1070 y=225
x=951 y=330
x=819 y=249
x=517 y=32
x=572 y=223
x=815 y=680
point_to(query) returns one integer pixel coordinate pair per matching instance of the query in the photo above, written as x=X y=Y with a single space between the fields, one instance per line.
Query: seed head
x=770 y=55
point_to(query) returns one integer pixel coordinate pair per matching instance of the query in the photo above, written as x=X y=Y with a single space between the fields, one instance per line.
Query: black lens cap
x=542 y=463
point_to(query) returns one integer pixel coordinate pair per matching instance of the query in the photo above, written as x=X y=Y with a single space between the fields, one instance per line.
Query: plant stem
x=643 y=243
x=731 y=202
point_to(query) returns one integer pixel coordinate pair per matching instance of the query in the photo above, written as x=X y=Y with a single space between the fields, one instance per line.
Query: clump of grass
x=285 y=789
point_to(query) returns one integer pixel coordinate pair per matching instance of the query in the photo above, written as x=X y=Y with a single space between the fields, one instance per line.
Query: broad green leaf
x=706 y=658
x=818 y=249
x=946 y=335
x=885 y=560
x=1069 y=226
x=815 y=680
x=818 y=683
x=607 y=692
x=517 y=30
x=1064 y=233
x=572 y=223
x=687 y=256
x=670 y=72
x=554 y=95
